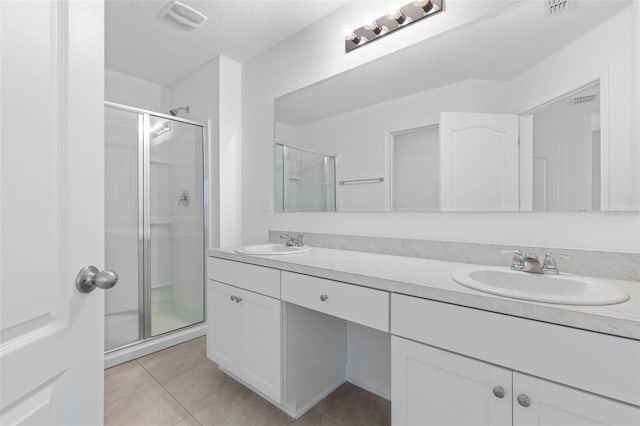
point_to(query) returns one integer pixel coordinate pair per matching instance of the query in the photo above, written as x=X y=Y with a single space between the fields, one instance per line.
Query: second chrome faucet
x=529 y=262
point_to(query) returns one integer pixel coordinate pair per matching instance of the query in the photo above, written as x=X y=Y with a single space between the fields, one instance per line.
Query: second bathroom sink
x=563 y=289
x=272 y=249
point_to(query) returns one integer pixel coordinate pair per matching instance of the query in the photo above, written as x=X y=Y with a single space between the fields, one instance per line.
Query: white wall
x=213 y=93
x=317 y=53
x=124 y=89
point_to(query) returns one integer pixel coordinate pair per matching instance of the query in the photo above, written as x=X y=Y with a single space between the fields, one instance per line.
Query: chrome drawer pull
x=323 y=297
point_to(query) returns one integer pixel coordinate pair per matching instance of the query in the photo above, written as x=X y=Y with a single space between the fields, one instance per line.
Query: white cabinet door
x=551 y=404
x=259 y=347
x=431 y=386
x=223 y=314
x=479 y=162
x=51 y=210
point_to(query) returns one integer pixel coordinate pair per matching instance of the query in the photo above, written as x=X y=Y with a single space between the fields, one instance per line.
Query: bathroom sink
x=272 y=249
x=563 y=289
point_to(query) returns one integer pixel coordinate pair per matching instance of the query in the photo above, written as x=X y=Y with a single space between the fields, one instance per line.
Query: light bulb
x=426 y=5
x=397 y=16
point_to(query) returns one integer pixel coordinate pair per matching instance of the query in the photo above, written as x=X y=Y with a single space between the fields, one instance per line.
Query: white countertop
x=431 y=279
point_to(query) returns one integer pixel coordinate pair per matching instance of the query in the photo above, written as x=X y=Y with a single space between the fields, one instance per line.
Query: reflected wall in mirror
x=518 y=112
x=305 y=180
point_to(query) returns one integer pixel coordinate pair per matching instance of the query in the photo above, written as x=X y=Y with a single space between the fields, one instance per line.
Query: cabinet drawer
x=595 y=362
x=354 y=303
x=253 y=278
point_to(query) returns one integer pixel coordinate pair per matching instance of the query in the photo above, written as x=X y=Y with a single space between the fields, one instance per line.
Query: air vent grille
x=585 y=99
x=556 y=7
x=183 y=16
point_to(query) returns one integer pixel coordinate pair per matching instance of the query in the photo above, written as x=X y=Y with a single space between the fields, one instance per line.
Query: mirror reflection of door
x=479 y=158
x=415 y=180
x=566 y=153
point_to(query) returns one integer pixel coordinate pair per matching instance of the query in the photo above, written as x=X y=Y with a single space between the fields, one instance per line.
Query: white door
x=51 y=215
x=223 y=314
x=479 y=159
x=537 y=402
x=433 y=387
x=259 y=346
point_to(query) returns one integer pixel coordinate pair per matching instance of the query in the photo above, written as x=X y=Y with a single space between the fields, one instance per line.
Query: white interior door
x=479 y=159
x=51 y=215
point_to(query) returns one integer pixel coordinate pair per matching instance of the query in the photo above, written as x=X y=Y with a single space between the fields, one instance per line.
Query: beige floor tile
x=167 y=363
x=202 y=339
x=124 y=380
x=153 y=406
x=189 y=421
x=200 y=387
x=314 y=418
x=239 y=406
x=350 y=405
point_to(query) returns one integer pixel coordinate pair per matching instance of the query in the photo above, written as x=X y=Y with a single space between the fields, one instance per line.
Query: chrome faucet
x=293 y=240
x=532 y=264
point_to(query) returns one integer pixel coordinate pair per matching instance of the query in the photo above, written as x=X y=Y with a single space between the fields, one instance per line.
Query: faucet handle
x=289 y=240
x=549 y=265
x=299 y=240
x=517 y=263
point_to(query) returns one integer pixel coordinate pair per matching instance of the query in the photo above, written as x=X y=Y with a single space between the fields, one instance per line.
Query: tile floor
x=180 y=386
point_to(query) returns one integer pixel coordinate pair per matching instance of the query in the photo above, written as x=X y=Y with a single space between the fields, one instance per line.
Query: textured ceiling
x=141 y=44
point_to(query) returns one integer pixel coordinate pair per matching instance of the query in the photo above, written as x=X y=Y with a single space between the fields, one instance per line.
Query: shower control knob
x=89 y=278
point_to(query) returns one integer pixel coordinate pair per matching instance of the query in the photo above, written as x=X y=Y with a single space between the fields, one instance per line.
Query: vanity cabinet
x=431 y=386
x=244 y=336
x=457 y=356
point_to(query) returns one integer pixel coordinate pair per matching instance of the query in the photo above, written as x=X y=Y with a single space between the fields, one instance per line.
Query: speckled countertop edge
x=431 y=279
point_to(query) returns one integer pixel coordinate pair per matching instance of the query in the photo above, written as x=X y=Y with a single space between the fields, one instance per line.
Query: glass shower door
x=123 y=303
x=175 y=225
x=155 y=224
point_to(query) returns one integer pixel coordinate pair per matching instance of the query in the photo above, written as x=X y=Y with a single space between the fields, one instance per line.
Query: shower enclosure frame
x=144 y=222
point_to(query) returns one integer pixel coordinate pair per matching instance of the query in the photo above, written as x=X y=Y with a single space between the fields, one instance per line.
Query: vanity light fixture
x=395 y=19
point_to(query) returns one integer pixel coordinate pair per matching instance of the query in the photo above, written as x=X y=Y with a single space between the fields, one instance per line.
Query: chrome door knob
x=323 y=297
x=524 y=400
x=498 y=391
x=89 y=278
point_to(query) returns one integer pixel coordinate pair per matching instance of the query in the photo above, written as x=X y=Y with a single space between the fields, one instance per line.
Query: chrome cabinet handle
x=524 y=400
x=498 y=391
x=89 y=278
x=238 y=299
x=323 y=297
x=233 y=298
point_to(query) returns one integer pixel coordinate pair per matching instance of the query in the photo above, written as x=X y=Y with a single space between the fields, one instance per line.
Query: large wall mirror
x=520 y=111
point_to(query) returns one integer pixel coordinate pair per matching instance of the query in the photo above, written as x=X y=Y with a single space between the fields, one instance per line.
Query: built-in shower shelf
x=294 y=178
x=160 y=222
x=161 y=162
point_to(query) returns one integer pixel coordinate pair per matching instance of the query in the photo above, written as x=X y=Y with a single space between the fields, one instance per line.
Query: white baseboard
x=147 y=347
x=299 y=412
x=369 y=383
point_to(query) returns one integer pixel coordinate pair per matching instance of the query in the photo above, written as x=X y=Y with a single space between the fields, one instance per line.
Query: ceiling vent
x=556 y=7
x=183 y=16
x=583 y=99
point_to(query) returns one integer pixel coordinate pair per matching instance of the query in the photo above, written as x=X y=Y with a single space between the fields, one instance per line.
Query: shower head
x=175 y=111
